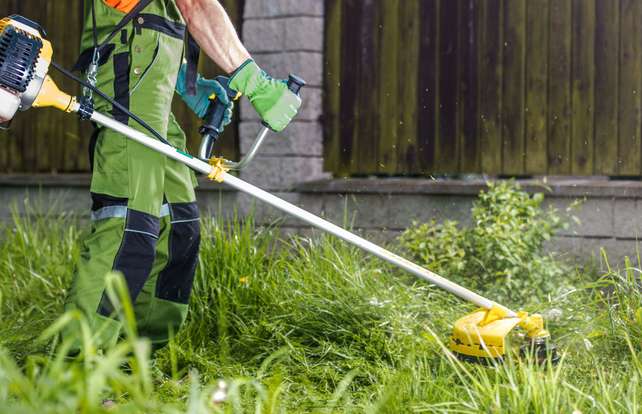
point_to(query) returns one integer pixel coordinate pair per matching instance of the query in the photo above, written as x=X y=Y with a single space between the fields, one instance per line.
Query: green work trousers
x=145 y=221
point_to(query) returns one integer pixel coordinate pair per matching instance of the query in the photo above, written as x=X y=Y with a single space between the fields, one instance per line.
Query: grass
x=305 y=326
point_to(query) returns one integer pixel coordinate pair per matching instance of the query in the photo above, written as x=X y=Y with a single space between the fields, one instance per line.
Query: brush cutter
x=25 y=59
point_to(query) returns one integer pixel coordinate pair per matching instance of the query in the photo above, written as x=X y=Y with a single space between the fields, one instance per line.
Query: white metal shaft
x=299 y=213
x=359 y=242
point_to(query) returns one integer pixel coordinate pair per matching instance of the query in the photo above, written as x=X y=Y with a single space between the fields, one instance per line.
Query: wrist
x=245 y=78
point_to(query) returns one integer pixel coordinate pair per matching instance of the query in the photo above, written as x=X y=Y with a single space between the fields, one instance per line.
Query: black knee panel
x=136 y=255
x=176 y=280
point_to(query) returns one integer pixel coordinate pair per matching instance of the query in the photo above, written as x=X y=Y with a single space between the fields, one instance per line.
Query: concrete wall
x=602 y=214
x=609 y=216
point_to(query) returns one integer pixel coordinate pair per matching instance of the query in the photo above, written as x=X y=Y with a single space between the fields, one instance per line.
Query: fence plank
x=333 y=86
x=407 y=81
x=350 y=83
x=427 y=97
x=537 y=37
x=468 y=96
x=630 y=87
x=490 y=81
x=607 y=52
x=389 y=86
x=514 y=26
x=368 y=100
x=75 y=136
x=559 y=102
x=583 y=76
x=446 y=149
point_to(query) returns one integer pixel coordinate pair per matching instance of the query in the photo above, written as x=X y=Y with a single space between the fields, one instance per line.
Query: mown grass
x=305 y=326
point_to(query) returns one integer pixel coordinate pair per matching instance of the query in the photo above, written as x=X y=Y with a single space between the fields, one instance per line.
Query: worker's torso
x=140 y=74
x=144 y=59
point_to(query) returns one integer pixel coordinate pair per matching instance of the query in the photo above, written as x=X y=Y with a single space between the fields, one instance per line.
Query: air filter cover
x=19 y=52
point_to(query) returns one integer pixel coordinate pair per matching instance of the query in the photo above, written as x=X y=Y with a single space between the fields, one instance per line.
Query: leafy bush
x=502 y=252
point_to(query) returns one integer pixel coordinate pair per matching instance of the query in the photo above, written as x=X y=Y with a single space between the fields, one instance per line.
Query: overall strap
x=193 y=54
x=124 y=22
x=85 y=58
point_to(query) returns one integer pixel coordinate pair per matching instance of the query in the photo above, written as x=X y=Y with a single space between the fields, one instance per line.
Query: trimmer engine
x=25 y=56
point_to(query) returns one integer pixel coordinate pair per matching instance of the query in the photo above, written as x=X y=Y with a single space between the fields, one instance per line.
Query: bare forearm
x=213 y=30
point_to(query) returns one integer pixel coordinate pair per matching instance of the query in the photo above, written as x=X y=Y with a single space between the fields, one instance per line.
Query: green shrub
x=502 y=252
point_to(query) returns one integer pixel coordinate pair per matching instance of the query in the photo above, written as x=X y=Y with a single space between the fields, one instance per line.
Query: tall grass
x=37 y=253
x=305 y=326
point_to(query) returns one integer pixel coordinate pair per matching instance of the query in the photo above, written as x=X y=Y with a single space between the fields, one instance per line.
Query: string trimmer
x=25 y=59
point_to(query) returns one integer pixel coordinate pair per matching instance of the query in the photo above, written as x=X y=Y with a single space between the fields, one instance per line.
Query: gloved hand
x=273 y=101
x=204 y=89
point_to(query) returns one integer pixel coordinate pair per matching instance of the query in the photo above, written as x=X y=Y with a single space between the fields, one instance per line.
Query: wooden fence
x=48 y=141
x=507 y=87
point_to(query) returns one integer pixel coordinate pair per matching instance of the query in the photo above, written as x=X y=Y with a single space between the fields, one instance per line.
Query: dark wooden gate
x=508 y=87
x=48 y=141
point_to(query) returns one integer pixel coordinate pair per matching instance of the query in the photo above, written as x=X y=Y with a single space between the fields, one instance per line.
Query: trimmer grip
x=213 y=117
x=213 y=120
x=216 y=110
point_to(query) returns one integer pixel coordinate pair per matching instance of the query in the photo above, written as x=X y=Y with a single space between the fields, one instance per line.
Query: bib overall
x=145 y=222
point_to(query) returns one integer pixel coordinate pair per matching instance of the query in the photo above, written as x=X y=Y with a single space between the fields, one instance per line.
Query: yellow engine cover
x=481 y=335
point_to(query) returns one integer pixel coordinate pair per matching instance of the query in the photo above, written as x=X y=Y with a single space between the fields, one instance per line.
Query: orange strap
x=124 y=6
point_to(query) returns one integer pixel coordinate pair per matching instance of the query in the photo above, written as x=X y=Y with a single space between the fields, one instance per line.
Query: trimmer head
x=540 y=351
x=481 y=336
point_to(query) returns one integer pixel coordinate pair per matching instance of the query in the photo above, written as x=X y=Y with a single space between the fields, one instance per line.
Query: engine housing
x=25 y=56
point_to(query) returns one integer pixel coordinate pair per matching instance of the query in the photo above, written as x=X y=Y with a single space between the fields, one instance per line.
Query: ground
x=309 y=325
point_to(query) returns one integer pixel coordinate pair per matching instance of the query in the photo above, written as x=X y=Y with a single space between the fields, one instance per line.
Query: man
x=145 y=221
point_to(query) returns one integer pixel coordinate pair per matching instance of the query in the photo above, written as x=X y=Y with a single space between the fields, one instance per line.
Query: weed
x=502 y=252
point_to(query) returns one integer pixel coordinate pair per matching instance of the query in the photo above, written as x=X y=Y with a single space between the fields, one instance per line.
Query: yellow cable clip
x=218 y=169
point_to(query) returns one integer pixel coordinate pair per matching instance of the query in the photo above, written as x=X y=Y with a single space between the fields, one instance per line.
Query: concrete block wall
x=610 y=213
x=286 y=36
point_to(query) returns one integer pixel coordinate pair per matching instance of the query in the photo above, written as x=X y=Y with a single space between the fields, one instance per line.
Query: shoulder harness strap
x=85 y=58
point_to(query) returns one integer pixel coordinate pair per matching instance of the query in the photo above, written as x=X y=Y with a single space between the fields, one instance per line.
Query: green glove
x=273 y=101
x=205 y=88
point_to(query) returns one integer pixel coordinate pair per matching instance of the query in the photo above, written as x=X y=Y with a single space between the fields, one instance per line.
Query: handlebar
x=210 y=133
